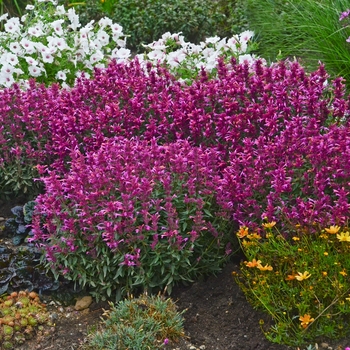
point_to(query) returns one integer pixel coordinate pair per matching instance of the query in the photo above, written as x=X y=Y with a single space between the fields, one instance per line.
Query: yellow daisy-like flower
x=254 y=236
x=253 y=263
x=344 y=237
x=332 y=229
x=295 y=238
x=267 y=267
x=242 y=232
x=302 y=276
x=269 y=224
x=306 y=320
x=343 y=273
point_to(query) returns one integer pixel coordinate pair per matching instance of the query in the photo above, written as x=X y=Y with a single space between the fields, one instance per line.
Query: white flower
x=16 y=48
x=4 y=16
x=104 y=22
x=156 y=55
x=121 y=43
x=175 y=58
x=212 y=40
x=34 y=71
x=28 y=46
x=7 y=68
x=246 y=35
x=24 y=18
x=30 y=7
x=9 y=58
x=59 y=43
x=74 y=19
x=31 y=61
x=96 y=57
x=6 y=79
x=246 y=58
x=57 y=26
x=233 y=44
x=61 y=75
x=103 y=37
x=47 y=57
x=60 y=10
x=81 y=74
x=117 y=29
x=121 y=54
x=36 y=30
x=13 y=25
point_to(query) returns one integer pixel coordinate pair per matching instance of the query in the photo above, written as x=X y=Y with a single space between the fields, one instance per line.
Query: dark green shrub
x=144 y=21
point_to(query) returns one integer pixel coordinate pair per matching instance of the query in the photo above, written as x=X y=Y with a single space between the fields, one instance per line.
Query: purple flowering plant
x=134 y=214
x=276 y=136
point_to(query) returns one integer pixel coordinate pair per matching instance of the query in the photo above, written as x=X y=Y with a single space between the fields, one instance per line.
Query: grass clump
x=307 y=29
x=146 y=322
x=302 y=282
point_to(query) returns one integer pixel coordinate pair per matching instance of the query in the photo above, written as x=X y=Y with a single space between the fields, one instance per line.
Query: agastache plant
x=135 y=213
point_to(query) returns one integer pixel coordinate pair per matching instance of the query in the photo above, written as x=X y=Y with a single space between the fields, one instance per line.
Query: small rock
x=324 y=345
x=83 y=303
x=192 y=347
x=53 y=317
x=202 y=347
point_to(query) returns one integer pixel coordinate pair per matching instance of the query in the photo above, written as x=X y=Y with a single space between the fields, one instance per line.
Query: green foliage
x=145 y=21
x=302 y=283
x=147 y=322
x=307 y=29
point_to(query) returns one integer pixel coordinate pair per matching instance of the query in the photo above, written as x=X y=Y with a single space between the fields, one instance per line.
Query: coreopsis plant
x=49 y=44
x=133 y=215
x=186 y=60
x=302 y=282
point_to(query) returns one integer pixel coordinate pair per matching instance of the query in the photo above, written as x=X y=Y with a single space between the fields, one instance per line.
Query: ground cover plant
x=301 y=282
x=146 y=322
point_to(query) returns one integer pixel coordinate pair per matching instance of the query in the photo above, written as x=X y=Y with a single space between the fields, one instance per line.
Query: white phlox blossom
x=105 y=22
x=175 y=58
x=29 y=46
x=9 y=58
x=121 y=54
x=62 y=74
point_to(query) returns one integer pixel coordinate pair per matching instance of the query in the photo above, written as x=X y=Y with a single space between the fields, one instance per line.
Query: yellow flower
x=348 y=299
x=267 y=267
x=324 y=236
x=253 y=263
x=269 y=224
x=306 y=320
x=344 y=237
x=332 y=229
x=324 y=273
x=302 y=276
x=242 y=232
x=325 y=253
x=254 y=236
x=343 y=273
x=295 y=238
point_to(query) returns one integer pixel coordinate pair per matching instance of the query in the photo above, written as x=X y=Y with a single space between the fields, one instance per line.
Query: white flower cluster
x=179 y=55
x=48 y=43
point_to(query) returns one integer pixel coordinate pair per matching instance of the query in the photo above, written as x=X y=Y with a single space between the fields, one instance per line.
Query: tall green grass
x=306 y=29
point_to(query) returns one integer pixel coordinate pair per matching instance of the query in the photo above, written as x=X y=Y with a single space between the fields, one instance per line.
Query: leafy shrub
x=145 y=21
x=135 y=214
x=146 y=322
x=302 y=282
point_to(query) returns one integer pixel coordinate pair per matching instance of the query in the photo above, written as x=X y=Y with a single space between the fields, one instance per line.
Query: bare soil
x=217 y=317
